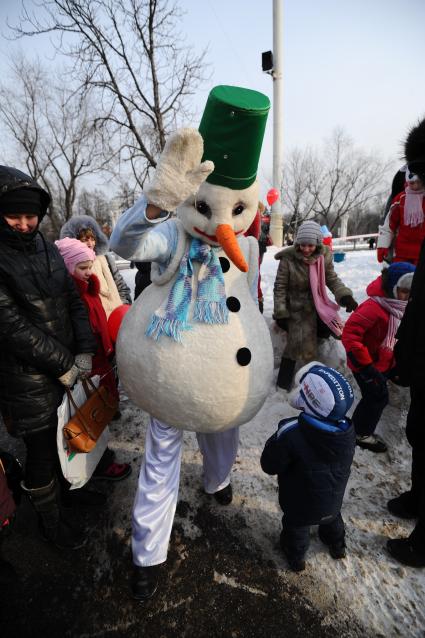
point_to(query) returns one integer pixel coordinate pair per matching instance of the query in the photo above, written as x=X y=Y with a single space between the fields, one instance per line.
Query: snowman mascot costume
x=194 y=350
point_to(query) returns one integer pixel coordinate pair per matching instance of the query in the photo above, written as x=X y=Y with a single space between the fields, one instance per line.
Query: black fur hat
x=414 y=150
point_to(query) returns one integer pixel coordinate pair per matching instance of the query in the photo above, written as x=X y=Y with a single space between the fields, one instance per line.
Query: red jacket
x=101 y=365
x=255 y=228
x=254 y=231
x=7 y=504
x=364 y=332
x=408 y=239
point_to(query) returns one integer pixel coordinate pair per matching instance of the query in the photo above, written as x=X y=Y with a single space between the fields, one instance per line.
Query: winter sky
x=357 y=64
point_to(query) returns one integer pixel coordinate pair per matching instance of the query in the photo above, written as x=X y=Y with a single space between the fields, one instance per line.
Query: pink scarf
x=395 y=308
x=326 y=309
x=413 y=211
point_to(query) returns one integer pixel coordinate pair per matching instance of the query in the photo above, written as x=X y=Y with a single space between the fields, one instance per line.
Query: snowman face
x=213 y=205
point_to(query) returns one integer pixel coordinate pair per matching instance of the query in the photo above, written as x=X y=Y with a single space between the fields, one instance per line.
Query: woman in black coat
x=45 y=341
x=409 y=353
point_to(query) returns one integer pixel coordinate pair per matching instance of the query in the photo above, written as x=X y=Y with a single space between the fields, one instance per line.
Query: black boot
x=295 y=557
x=404 y=506
x=337 y=549
x=82 y=498
x=53 y=528
x=403 y=551
x=286 y=373
x=144 y=582
x=296 y=563
x=224 y=496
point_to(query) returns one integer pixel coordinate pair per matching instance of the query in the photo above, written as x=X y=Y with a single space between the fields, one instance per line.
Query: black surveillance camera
x=267 y=61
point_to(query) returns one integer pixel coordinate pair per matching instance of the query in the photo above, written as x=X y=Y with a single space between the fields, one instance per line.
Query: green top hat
x=232 y=128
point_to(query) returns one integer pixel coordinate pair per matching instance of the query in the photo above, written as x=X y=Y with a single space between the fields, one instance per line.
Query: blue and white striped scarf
x=171 y=318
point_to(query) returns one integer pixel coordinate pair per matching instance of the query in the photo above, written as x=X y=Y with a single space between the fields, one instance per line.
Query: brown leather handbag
x=85 y=427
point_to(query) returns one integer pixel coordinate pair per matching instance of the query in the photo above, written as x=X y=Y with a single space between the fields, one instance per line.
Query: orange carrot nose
x=227 y=240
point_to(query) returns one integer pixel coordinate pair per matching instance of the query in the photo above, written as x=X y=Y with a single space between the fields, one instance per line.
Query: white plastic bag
x=78 y=467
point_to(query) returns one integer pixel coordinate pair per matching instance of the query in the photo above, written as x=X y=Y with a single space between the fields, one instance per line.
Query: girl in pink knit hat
x=79 y=258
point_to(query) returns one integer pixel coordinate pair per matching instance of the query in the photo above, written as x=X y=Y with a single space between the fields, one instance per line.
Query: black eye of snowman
x=203 y=208
x=238 y=210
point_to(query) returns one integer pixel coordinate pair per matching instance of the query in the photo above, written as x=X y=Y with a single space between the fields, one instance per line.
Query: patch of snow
x=222 y=579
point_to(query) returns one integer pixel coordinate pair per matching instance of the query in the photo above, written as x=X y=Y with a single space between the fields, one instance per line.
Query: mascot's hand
x=179 y=172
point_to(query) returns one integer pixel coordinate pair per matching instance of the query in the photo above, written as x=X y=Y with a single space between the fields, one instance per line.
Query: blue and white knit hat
x=399 y=275
x=322 y=392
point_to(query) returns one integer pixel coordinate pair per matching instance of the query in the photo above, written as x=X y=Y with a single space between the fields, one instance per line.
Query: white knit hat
x=404 y=282
x=309 y=233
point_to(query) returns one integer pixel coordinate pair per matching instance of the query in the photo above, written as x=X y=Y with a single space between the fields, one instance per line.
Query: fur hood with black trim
x=76 y=224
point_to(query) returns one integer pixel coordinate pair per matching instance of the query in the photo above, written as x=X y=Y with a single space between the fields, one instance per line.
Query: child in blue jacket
x=312 y=455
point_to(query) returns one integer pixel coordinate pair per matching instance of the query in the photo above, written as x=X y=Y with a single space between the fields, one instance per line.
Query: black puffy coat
x=312 y=459
x=43 y=324
x=409 y=350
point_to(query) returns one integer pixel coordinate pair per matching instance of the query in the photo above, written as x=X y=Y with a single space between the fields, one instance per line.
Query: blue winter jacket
x=312 y=458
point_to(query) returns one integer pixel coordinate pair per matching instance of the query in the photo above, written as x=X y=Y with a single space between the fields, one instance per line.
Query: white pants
x=158 y=487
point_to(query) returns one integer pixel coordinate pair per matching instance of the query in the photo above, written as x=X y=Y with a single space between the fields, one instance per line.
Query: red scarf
x=89 y=292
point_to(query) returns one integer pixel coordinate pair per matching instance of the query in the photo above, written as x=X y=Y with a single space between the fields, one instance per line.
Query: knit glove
x=69 y=378
x=382 y=253
x=179 y=172
x=374 y=379
x=84 y=365
x=283 y=324
x=348 y=302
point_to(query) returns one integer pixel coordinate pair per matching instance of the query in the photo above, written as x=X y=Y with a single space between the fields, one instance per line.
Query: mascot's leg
x=157 y=493
x=219 y=452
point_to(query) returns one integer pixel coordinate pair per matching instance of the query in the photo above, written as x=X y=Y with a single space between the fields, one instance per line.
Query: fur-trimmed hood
x=76 y=224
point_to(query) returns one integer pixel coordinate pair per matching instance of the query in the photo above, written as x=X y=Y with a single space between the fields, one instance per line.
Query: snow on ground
x=368 y=585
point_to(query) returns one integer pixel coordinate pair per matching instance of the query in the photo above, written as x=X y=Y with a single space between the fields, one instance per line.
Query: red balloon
x=272 y=196
x=115 y=320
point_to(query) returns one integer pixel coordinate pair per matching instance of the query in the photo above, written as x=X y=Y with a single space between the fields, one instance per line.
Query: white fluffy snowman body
x=219 y=375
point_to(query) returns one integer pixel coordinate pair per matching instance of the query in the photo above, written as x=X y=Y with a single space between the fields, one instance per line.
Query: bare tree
x=129 y=53
x=327 y=185
x=126 y=195
x=345 y=179
x=366 y=220
x=297 y=198
x=97 y=204
x=54 y=134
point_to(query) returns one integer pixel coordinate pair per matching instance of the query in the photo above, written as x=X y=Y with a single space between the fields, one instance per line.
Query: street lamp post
x=272 y=64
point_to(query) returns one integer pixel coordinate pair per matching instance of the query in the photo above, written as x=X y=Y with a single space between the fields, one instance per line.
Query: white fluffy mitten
x=179 y=172
x=69 y=378
x=84 y=364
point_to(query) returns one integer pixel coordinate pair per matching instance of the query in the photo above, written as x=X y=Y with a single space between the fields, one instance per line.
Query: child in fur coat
x=301 y=304
x=79 y=258
x=369 y=339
